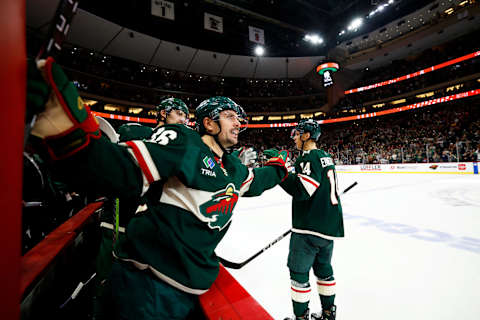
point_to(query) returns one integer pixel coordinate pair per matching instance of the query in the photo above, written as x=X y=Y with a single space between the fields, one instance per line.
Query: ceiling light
x=313 y=39
x=355 y=24
x=259 y=51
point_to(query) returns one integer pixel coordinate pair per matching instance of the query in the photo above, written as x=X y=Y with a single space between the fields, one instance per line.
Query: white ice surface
x=411 y=251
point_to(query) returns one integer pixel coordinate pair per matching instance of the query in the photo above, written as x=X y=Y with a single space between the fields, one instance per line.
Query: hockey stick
x=349 y=187
x=59 y=28
x=57 y=33
x=238 y=265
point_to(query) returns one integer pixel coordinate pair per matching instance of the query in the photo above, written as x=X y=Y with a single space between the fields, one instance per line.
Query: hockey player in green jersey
x=117 y=212
x=169 y=111
x=317 y=220
x=168 y=257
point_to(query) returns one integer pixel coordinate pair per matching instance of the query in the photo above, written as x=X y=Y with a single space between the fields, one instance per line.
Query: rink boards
x=440 y=167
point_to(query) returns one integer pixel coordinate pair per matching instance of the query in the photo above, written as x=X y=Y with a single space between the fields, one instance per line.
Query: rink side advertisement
x=441 y=167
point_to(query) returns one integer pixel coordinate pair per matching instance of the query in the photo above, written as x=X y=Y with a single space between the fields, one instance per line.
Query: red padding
x=228 y=300
x=35 y=261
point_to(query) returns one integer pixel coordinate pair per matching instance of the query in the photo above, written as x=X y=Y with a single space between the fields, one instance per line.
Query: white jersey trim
x=111 y=227
x=148 y=159
x=314 y=233
x=145 y=184
x=310 y=184
x=150 y=169
x=161 y=276
x=247 y=183
x=177 y=194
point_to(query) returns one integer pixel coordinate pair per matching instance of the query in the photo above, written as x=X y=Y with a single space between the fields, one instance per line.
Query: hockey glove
x=247 y=156
x=279 y=160
x=270 y=153
x=66 y=124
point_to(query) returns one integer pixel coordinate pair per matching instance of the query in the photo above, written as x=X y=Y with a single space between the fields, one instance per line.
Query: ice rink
x=411 y=251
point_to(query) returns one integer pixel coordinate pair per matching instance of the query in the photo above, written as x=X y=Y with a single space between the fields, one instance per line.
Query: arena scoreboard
x=326 y=70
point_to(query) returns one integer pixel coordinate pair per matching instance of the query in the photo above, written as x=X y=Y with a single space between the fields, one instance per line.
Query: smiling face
x=230 y=128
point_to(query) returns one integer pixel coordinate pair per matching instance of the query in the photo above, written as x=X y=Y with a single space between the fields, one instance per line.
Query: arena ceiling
x=127 y=29
x=285 y=22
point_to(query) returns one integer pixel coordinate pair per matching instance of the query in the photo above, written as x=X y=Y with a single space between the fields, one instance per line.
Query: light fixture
x=313 y=39
x=259 y=51
x=355 y=24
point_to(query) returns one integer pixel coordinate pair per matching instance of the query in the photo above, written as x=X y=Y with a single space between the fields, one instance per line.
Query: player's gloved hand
x=284 y=154
x=65 y=122
x=279 y=160
x=270 y=153
x=247 y=156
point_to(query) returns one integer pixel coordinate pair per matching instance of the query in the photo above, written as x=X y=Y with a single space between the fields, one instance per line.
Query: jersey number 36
x=163 y=136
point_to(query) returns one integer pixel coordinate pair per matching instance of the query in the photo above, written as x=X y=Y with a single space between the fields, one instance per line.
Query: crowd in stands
x=443 y=133
x=430 y=57
x=150 y=77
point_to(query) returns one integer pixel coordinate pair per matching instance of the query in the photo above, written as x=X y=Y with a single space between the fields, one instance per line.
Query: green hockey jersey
x=134 y=131
x=126 y=132
x=174 y=235
x=316 y=206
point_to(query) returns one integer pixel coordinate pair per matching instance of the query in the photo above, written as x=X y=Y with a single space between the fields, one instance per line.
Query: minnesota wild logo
x=219 y=209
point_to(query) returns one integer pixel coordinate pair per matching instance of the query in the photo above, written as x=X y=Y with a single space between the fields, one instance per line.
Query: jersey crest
x=218 y=210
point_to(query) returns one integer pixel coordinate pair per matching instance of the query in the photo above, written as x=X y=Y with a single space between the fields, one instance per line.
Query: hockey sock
x=326 y=290
x=300 y=289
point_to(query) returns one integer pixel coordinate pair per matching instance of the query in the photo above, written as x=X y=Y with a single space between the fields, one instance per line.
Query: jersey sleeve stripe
x=144 y=160
x=309 y=184
x=247 y=183
x=145 y=183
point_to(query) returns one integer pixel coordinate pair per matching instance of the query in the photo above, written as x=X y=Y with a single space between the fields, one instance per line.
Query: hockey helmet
x=212 y=107
x=311 y=126
x=170 y=104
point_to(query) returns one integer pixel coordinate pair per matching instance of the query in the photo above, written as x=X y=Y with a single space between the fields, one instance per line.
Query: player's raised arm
x=72 y=137
x=261 y=179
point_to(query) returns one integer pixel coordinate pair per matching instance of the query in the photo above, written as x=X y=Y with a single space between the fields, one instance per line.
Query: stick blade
x=230 y=264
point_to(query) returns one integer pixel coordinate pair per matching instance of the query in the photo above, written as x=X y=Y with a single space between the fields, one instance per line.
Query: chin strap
x=218 y=142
